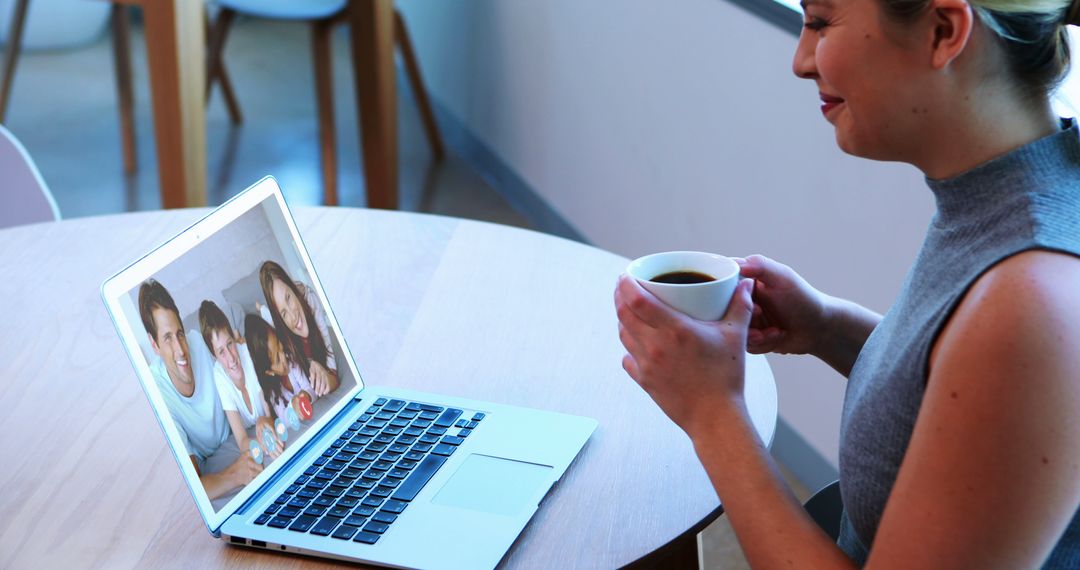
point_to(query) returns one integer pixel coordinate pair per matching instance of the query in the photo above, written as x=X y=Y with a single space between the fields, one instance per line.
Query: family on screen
x=283 y=361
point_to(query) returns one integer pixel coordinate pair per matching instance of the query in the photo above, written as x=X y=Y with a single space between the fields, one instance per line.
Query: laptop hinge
x=272 y=481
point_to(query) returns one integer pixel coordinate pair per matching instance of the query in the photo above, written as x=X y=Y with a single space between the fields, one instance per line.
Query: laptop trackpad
x=494 y=485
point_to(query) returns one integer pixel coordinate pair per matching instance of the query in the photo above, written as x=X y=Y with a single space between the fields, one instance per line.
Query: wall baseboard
x=483 y=160
x=809 y=466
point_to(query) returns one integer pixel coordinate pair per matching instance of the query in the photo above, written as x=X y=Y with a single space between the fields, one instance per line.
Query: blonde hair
x=1031 y=32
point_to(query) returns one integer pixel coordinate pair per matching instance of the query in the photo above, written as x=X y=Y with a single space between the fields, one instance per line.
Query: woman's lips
x=828 y=103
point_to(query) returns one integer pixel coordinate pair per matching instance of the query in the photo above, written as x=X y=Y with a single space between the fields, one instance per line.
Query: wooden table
x=438 y=304
x=176 y=55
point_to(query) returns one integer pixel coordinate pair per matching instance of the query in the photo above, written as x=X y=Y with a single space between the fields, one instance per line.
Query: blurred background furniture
x=175 y=32
x=24 y=197
x=322 y=15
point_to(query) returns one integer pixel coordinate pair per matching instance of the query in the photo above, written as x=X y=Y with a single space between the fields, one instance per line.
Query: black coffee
x=682 y=278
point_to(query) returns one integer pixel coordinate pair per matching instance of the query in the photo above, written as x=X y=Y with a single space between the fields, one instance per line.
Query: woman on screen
x=300 y=321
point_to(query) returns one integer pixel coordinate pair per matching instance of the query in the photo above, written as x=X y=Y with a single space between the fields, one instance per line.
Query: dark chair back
x=826 y=508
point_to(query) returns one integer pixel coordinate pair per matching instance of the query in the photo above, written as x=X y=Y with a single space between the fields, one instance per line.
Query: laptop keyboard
x=357 y=488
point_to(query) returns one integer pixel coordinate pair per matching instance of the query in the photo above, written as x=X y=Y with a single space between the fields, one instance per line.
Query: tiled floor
x=63 y=109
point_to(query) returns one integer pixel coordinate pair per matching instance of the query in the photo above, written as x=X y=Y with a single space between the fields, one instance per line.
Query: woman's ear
x=952 y=23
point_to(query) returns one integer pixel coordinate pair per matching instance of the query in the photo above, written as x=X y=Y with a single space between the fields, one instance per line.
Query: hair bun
x=1072 y=15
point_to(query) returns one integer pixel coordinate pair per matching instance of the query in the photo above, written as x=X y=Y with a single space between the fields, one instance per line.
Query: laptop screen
x=240 y=347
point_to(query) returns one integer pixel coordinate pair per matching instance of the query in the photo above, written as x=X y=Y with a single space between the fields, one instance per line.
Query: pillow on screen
x=243 y=298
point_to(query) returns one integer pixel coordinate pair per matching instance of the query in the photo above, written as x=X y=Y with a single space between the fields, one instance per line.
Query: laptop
x=280 y=441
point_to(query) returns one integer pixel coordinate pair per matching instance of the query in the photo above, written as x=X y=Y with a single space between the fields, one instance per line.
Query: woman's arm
x=695 y=370
x=792 y=317
x=991 y=477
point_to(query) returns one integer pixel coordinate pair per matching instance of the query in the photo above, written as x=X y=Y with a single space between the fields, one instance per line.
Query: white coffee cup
x=705 y=301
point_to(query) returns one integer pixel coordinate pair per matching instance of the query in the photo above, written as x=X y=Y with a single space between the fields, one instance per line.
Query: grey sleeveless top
x=1027 y=199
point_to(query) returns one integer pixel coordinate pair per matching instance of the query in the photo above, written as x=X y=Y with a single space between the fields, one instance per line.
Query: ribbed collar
x=978 y=192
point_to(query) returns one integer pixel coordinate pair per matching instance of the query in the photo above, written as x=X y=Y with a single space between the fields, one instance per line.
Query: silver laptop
x=280 y=441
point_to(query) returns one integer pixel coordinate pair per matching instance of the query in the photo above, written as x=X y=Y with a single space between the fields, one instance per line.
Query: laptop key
x=422 y=447
x=413 y=407
x=407 y=464
x=443 y=449
x=478 y=416
x=364 y=484
x=472 y=424
x=311 y=470
x=351 y=473
x=394 y=506
x=314 y=511
x=414 y=455
x=389 y=482
x=325 y=526
x=322 y=460
x=394 y=405
x=451 y=440
x=298 y=503
x=380 y=401
x=419 y=477
x=303 y=523
x=448 y=418
x=352 y=448
x=364 y=511
x=464 y=433
x=397 y=473
x=284 y=498
x=429 y=438
x=354 y=494
x=324 y=501
x=280 y=522
x=384 y=415
x=334 y=492
x=381 y=492
x=356 y=520
x=345 y=532
x=399 y=423
x=430 y=408
x=384 y=517
x=288 y=512
x=262 y=519
x=366 y=537
x=413 y=432
x=307 y=493
x=373 y=502
x=347 y=501
x=335 y=465
x=437 y=431
x=376 y=527
x=398 y=448
x=407 y=414
x=339 y=512
x=273 y=508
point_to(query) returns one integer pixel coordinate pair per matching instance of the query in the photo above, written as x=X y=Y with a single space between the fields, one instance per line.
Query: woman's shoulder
x=1026 y=303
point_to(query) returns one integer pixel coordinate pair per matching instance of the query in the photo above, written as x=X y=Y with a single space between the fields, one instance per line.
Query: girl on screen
x=282 y=380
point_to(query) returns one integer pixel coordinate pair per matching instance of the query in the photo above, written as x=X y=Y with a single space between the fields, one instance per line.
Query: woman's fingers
x=634 y=299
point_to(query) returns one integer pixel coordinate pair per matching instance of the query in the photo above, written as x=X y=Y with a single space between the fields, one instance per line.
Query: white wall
x=678 y=124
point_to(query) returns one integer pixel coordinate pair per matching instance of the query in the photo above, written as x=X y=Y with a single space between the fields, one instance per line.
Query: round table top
x=430 y=303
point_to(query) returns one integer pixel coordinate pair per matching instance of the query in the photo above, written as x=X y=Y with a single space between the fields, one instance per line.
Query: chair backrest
x=285 y=9
x=826 y=507
x=24 y=197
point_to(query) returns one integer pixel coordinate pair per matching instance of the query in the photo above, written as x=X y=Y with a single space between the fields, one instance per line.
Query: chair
x=119 y=21
x=826 y=507
x=24 y=197
x=323 y=15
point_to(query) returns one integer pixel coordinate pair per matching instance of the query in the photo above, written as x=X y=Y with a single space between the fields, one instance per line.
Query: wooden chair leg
x=121 y=40
x=324 y=96
x=215 y=64
x=412 y=68
x=11 y=53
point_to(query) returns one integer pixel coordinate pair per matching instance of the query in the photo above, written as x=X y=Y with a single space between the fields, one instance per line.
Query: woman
x=299 y=319
x=960 y=437
x=281 y=379
x=236 y=381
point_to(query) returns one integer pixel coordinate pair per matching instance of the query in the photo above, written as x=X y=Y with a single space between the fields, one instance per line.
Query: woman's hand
x=320 y=379
x=789 y=315
x=692 y=369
